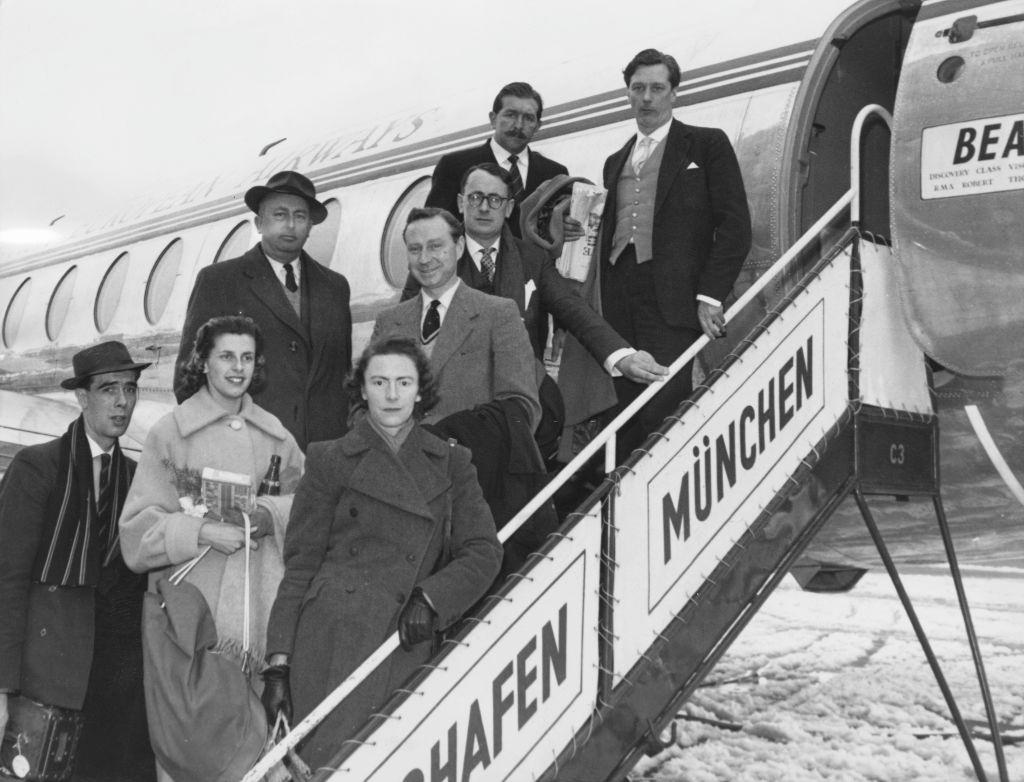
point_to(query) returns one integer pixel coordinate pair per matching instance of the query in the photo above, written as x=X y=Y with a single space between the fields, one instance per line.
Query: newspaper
x=586 y=205
x=223 y=490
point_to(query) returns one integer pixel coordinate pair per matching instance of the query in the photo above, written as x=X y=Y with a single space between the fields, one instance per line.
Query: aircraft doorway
x=857 y=63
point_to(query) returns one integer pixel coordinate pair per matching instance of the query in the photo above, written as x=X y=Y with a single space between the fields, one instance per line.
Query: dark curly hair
x=654 y=57
x=393 y=346
x=193 y=376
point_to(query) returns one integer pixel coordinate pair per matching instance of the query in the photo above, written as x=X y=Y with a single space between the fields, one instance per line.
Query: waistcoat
x=634 y=217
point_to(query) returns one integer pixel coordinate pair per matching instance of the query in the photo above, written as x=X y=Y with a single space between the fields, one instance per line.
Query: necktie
x=642 y=153
x=104 y=507
x=487 y=263
x=432 y=322
x=289 y=278
x=517 y=179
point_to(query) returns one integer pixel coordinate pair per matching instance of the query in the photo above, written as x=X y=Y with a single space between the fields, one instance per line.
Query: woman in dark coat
x=389 y=530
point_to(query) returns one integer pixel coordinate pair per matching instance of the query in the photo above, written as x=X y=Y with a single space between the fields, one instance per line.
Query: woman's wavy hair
x=393 y=346
x=193 y=375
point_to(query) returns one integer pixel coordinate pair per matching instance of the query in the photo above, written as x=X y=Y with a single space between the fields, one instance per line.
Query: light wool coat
x=156 y=536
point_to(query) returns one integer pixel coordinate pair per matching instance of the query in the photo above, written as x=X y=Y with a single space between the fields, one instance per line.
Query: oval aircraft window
x=161 y=281
x=15 y=313
x=109 y=294
x=324 y=237
x=235 y=243
x=392 y=248
x=57 y=310
x=950 y=69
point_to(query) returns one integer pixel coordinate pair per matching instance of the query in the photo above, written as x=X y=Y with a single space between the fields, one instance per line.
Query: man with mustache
x=515 y=118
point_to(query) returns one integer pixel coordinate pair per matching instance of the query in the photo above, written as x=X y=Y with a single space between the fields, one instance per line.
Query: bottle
x=271 y=483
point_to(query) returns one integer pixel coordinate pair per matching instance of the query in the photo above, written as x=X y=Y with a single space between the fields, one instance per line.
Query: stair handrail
x=605 y=438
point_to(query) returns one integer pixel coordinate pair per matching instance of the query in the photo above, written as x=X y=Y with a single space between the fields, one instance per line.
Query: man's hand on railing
x=712 y=319
x=277 y=692
x=640 y=367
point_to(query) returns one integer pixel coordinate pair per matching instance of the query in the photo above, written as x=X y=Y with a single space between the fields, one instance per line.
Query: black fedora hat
x=98 y=360
x=291 y=183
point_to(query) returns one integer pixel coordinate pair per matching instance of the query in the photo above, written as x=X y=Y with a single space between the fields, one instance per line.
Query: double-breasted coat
x=368 y=525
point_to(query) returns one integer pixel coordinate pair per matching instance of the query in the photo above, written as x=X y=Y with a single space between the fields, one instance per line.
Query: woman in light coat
x=217 y=426
x=389 y=531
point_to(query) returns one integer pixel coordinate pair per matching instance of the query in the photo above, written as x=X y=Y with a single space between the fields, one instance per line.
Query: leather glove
x=277 y=693
x=260 y=518
x=417 y=621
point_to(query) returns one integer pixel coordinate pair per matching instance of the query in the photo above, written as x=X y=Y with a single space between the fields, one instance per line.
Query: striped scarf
x=70 y=553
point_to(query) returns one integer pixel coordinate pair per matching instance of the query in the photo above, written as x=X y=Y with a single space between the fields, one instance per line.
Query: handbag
x=39 y=742
x=206 y=723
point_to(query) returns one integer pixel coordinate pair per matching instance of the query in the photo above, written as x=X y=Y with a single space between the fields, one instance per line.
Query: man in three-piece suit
x=302 y=309
x=515 y=118
x=674 y=234
x=70 y=609
x=478 y=347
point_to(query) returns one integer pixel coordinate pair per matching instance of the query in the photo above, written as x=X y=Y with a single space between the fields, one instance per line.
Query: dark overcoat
x=701 y=233
x=367 y=526
x=444 y=183
x=306 y=358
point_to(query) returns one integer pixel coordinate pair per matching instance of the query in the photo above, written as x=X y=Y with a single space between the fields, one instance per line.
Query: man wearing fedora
x=70 y=610
x=302 y=309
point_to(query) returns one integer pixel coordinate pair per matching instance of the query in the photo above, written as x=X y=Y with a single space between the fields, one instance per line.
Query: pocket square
x=528 y=290
x=692 y=165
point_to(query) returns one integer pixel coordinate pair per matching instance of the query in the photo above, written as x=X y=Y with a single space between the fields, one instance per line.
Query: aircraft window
x=57 y=310
x=236 y=242
x=392 y=248
x=109 y=294
x=161 y=280
x=15 y=313
x=324 y=237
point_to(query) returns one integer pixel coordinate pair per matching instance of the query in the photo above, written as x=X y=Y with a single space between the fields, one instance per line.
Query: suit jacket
x=444 y=184
x=368 y=526
x=701 y=232
x=522 y=265
x=306 y=360
x=482 y=352
x=47 y=633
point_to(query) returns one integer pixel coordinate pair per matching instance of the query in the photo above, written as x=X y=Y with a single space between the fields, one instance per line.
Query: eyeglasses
x=494 y=200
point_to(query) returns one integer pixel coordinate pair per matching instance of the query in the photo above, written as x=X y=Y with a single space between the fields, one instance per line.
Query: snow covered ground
x=836 y=687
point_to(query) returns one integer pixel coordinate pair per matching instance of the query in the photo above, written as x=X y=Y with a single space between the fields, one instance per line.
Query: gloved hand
x=277 y=692
x=260 y=518
x=417 y=621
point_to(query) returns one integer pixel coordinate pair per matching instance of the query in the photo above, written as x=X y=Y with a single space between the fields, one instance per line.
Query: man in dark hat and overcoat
x=70 y=610
x=302 y=309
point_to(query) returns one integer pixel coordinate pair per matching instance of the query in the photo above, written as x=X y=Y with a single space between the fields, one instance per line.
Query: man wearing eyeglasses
x=515 y=118
x=496 y=262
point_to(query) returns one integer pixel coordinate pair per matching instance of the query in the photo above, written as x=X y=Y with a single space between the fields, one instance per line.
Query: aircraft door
x=957 y=197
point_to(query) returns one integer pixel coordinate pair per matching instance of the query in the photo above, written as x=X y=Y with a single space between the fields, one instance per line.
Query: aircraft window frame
x=60 y=302
x=395 y=273
x=103 y=293
x=331 y=223
x=161 y=280
x=229 y=242
x=9 y=330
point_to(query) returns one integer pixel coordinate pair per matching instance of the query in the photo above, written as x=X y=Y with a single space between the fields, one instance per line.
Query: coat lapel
x=511 y=280
x=675 y=160
x=266 y=287
x=320 y=320
x=459 y=322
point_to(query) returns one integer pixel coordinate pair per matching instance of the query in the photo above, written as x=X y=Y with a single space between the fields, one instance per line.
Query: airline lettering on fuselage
x=722 y=458
x=493 y=720
x=969 y=158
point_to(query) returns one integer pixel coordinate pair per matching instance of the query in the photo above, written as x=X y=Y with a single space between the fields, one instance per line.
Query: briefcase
x=40 y=741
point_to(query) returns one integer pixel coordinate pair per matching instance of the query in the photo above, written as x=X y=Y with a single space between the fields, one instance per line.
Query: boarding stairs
x=575 y=666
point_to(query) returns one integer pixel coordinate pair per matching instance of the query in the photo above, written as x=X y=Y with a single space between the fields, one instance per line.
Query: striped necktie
x=431 y=322
x=517 y=179
x=106 y=527
x=487 y=263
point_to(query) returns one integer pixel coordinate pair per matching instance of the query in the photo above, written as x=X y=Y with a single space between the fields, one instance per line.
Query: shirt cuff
x=708 y=300
x=615 y=358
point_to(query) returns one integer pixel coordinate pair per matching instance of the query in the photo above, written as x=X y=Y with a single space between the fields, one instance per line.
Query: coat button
x=42 y=633
x=353 y=511
x=350 y=590
x=293 y=346
x=400 y=598
x=52 y=589
x=354 y=550
x=410 y=557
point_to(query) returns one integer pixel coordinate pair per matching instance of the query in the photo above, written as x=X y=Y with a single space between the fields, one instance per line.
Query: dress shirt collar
x=281 y=274
x=94 y=447
x=501 y=155
x=445 y=299
x=656 y=136
x=473 y=247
